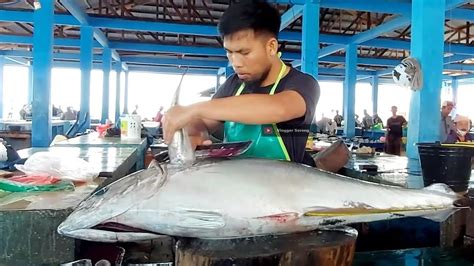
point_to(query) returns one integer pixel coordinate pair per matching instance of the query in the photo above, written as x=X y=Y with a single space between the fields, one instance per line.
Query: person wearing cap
x=266 y=101
x=446 y=125
x=460 y=133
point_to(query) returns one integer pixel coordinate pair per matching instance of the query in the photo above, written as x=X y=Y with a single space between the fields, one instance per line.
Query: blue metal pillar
x=118 y=69
x=125 y=100
x=427 y=45
x=106 y=65
x=2 y=65
x=86 y=68
x=454 y=87
x=349 y=90
x=30 y=83
x=310 y=39
x=42 y=64
x=375 y=94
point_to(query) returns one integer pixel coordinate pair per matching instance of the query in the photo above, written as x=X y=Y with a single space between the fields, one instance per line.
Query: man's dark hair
x=250 y=14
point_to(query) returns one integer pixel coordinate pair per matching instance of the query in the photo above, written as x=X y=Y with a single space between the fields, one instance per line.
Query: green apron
x=266 y=139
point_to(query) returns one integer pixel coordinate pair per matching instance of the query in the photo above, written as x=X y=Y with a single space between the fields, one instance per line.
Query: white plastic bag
x=59 y=165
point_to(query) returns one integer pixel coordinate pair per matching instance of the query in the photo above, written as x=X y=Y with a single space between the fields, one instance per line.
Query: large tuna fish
x=244 y=197
x=241 y=198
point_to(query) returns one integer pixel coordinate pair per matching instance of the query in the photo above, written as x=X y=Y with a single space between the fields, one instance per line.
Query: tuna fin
x=281 y=217
x=108 y=236
x=440 y=188
x=200 y=219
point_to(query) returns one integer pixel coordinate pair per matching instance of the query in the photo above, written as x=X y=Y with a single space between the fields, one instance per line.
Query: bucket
x=130 y=127
x=448 y=165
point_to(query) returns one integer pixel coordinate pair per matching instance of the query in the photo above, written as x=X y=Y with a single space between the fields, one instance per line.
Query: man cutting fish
x=265 y=101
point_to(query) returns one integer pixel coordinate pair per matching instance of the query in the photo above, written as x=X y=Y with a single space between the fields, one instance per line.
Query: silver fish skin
x=243 y=198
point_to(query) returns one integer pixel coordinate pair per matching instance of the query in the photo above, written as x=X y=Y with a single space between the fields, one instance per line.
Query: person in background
x=357 y=121
x=338 y=119
x=158 y=118
x=461 y=131
x=394 y=135
x=69 y=114
x=323 y=125
x=447 y=124
x=26 y=112
x=367 y=121
x=377 y=120
x=159 y=115
x=332 y=128
x=135 y=112
x=57 y=111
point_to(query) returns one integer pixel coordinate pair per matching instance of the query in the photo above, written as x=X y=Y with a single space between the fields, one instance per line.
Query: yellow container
x=309 y=142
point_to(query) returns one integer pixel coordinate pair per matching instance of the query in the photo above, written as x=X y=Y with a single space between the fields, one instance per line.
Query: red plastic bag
x=35 y=179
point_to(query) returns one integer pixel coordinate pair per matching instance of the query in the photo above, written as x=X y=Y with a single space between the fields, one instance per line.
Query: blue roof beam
x=382 y=6
x=124 y=66
x=381 y=29
x=175 y=62
x=461 y=14
x=191 y=29
x=368 y=35
x=464 y=51
x=173 y=70
x=64 y=56
x=328 y=50
x=83 y=18
x=18 y=60
x=402 y=7
x=464 y=77
x=291 y=15
x=457 y=58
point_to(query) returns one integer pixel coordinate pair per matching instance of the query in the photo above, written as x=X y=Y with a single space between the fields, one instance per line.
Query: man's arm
x=247 y=109
x=253 y=108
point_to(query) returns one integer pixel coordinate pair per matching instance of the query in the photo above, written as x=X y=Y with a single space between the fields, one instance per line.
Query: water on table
x=415 y=257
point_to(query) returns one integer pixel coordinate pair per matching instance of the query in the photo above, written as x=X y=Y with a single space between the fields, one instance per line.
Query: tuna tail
x=459 y=202
x=180 y=149
x=462 y=201
x=440 y=188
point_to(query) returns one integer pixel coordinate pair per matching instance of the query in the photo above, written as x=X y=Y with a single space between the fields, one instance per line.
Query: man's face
x=463 y=125
x=250 y=54
x=446 y=110
x=394 y=110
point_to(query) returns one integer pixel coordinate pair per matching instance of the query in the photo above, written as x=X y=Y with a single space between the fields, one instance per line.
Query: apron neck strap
x=275 y=85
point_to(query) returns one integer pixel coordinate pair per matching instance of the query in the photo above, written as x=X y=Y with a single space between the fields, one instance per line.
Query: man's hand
x=198 y=140
x=176 y=118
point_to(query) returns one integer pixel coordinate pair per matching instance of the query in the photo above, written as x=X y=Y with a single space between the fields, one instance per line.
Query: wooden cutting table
x=29 y=220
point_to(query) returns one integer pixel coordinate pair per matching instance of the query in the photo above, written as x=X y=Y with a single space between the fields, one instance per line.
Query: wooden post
x=334 y=248
x=469 y=237
x=453 y=229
